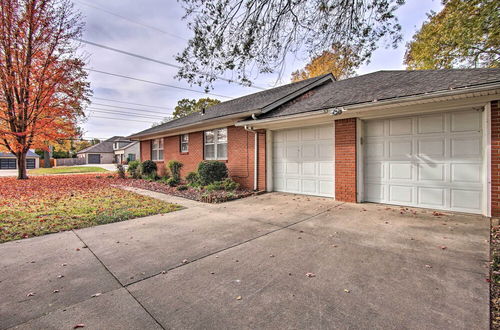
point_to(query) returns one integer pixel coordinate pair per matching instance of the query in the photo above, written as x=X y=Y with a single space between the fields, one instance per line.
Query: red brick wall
x=145 y=150
x=345 y=160
x=240 y=155
x=495 y=158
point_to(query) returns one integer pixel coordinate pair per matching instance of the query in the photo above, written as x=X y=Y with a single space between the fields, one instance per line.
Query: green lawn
x=49 y=204
x=67 y=170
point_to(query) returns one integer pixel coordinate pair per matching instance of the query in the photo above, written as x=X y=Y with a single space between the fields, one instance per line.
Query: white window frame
x=157 y=147
x=216 y=143
x=184 y=143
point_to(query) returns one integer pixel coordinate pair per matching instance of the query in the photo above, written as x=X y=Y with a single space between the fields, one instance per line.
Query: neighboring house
x=129 y=152
x=8 y=161
x=109 y=151
x=427 y=138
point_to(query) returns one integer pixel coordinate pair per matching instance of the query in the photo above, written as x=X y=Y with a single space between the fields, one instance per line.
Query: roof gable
x=242 y=105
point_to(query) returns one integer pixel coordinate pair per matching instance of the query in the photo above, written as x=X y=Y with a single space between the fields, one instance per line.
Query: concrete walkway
x=243 y=264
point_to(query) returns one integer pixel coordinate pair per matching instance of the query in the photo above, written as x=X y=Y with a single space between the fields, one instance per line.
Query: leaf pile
x=51 y=204
x=495 y=277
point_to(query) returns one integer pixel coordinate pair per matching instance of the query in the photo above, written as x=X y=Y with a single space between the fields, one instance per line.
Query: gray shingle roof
x=384 y=85
x=9 y=155
x=102 y=147
x=117 y=139
x=242 y=104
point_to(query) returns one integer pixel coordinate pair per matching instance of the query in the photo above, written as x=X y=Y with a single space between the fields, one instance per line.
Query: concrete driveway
x=243 y=264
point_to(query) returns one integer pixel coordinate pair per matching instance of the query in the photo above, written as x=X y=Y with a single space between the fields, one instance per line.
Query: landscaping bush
x=229 y=185
x=217 y=185
x=172 y=182
x=175 y=169
x=121 y=171
x=134 y=169
x=211 y=171
x=151 y=176
x=192 y=179
x=148 y=167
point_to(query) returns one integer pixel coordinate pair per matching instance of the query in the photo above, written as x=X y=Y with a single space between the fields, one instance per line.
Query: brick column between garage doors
x=495 y=158
x=345 y=160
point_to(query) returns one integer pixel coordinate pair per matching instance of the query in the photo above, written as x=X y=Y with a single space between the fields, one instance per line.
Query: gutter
x=255 y=156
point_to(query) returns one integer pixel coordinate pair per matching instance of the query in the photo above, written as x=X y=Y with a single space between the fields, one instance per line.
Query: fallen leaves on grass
x=51 y=204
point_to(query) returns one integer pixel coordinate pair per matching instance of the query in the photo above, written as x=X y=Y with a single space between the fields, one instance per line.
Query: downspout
x=255 y=156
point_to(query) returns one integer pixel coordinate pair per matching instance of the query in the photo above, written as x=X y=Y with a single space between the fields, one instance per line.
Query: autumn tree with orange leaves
x=43 y=87
x=339 y=61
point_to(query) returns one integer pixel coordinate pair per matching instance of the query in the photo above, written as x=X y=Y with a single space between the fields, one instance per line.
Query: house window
x=216 y=144
x=157 y=149
x=184 y=142
x=131 y=157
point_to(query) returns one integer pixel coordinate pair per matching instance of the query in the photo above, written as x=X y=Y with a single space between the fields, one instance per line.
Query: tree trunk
x=21 y=166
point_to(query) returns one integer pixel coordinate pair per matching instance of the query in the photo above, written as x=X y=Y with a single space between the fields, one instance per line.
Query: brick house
x=428 y=138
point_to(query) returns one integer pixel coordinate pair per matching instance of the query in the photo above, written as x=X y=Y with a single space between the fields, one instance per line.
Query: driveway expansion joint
x=113 y=275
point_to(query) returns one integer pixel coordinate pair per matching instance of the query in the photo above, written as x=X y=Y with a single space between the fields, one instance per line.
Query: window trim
x=159 y=149
x=215 y=144
x=184 y=142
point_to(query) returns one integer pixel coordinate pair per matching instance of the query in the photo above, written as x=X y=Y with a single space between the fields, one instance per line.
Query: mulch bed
x=495 y=276
x=218 y=196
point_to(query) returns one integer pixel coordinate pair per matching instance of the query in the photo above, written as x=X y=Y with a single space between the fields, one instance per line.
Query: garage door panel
x=309 y=186
x=375 y=149
x=431 y=172
x=374 y=192
x=309 y=168
x=466 y=121
x=438 y=164
x=292 y=184
x=468 y=173
x=431 y=197
x=400 y=194
x=326 y=187
x=465 y=199
x=399 y=127
x=376 y=129
x=431 y=124
x=433 y=148
x=326 y=169
x=309 y=150
x=307 y=165
x=374 y=170
x=401 y=171
x=308 y=134
x=292 y=135
x=292 y=168
x=466 y=147
x=400 y=149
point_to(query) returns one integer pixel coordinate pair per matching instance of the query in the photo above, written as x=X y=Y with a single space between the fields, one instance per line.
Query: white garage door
x=303 y=160
x=432 y=161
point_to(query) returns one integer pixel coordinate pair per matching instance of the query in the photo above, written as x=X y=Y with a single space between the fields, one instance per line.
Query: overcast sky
x=165 y=35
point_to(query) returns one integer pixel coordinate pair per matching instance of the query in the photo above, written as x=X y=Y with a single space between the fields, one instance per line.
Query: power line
x=116 y=106
x=136 y=121
x=130 y=20
x=156 y=83
x=160 y=62
x=125 y=113
x=143 y=105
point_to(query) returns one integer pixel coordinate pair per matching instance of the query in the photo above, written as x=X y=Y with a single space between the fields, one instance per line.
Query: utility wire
x=137 y=121
x=126 y=113
x=135 y=109
x=142 y=105
x=160 y=62
x=128 y=19
x=156 y=83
